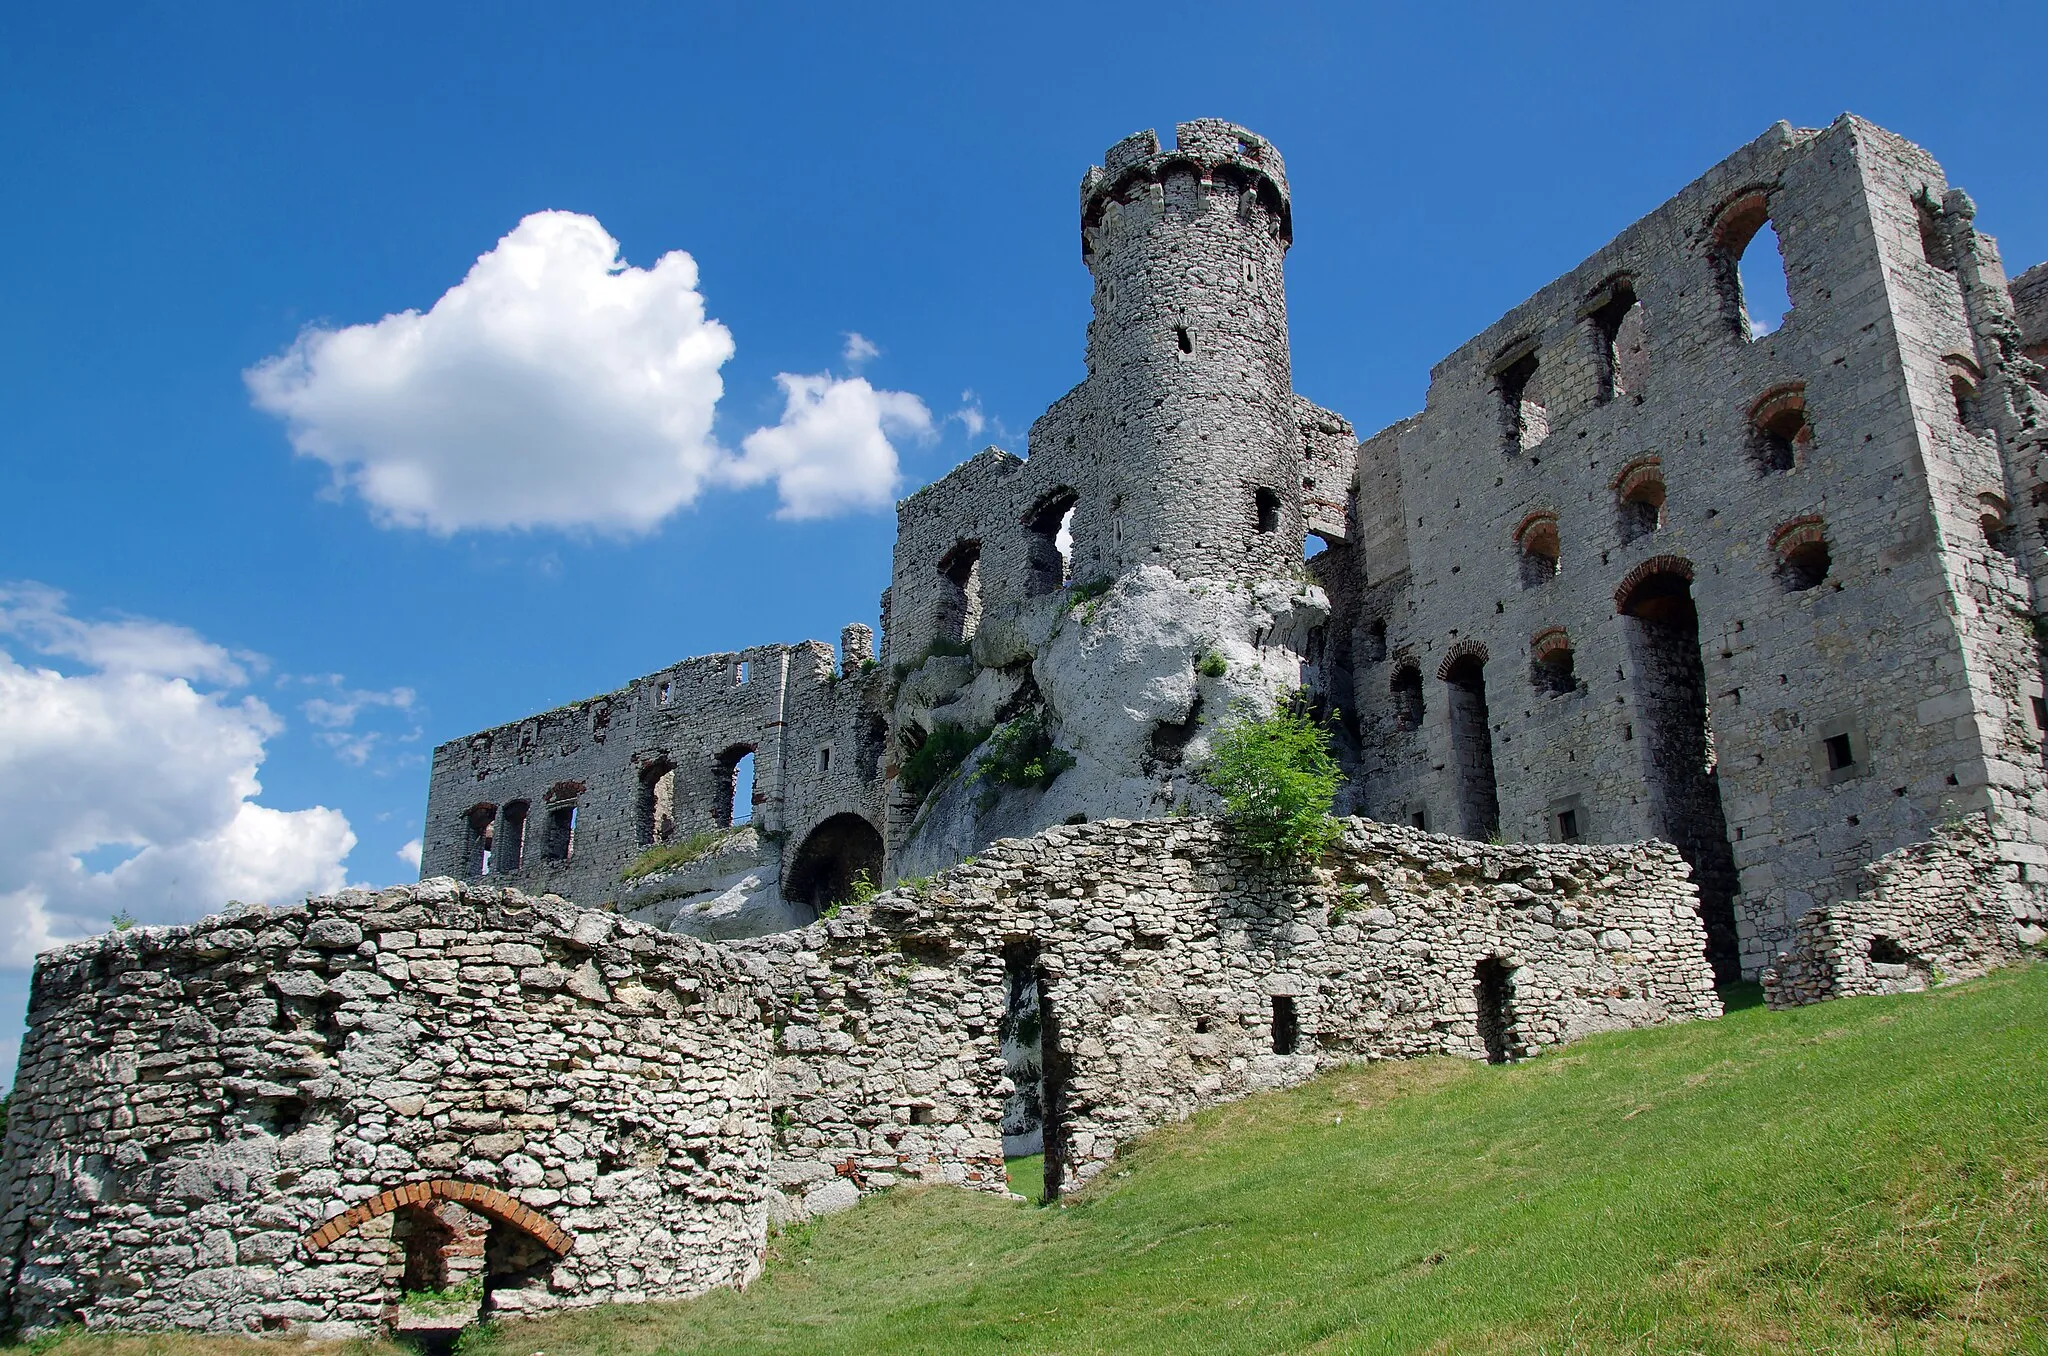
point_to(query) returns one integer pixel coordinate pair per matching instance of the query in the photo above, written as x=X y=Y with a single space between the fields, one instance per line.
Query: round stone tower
x=1187 y=353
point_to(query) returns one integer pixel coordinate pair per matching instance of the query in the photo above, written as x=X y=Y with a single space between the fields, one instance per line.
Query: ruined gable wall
x=1162 y=949
x=695 y=715
x=1871 y=653
x=192 y=1102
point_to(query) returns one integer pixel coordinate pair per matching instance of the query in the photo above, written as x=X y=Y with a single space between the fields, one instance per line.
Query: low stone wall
x=1166 y=970
x=1937 y=911
x=285 y=1117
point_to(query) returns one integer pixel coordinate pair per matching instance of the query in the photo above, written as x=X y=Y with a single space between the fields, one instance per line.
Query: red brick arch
x=486 y=1201
x=1655 y=565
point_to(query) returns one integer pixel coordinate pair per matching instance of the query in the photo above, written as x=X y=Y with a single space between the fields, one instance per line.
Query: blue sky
x=193 y=607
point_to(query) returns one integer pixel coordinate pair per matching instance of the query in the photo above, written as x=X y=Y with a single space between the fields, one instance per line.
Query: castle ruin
x=1640 y=570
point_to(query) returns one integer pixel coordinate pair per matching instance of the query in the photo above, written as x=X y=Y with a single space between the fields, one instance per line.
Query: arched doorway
x=832 y=855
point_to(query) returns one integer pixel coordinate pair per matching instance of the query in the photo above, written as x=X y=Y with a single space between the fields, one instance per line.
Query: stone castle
x=1638 y=571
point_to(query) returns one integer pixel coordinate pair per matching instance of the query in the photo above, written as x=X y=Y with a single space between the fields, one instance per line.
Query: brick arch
x=1655 y=565
x=1464 y=649
x=486 y=1201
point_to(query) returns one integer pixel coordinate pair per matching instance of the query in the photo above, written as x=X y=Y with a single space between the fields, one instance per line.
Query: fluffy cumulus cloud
x=128 y=780
x=832 y=453
x=553 y=387
x=558 y=387
x=340 y=713
x=409 y=852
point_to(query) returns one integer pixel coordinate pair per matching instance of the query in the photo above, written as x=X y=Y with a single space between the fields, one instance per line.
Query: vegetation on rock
x=1277 y=780
x=941 y=754
x=668 y=856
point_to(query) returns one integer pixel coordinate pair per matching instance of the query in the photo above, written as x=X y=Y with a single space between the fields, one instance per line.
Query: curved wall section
x=271 y=1119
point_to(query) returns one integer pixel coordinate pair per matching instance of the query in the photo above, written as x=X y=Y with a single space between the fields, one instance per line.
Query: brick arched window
x=1749 y=272
x=1780 y=434
x=1538 y=548
x=1639 y=499
x=1801 y=548
x=486 y=1201
x=1550 y=662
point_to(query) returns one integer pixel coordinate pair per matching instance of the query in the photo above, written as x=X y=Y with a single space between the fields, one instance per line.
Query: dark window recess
x=512 y=845
x=1885 y=951
x=2040 y=712
x=1567 y=826
x=561 y=831
x=1286 y=1026
x=1840 y=755
x=1494 y=990
x=1419 y=820
x=1804 y=567
x=1407 y=690
x=1184 y=339
x=1268 y=504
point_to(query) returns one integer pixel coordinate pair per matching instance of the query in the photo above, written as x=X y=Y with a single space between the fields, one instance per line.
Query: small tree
x=1277 y=781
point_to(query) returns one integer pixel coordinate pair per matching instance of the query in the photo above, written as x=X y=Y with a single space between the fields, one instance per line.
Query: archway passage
x=823 y=870
x=486 y=1201
x=1472 y=745
x=1678 y=752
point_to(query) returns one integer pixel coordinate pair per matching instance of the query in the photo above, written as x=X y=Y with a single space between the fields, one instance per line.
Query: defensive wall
x=288 y=1118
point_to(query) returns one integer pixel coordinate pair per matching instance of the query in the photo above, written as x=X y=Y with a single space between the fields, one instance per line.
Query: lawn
x=1863 y=1175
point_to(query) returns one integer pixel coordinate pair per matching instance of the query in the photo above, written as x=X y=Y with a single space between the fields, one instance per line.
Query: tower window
x=1749 y=268
x=1268 y=504
x=1779 y=433
x=1184 y=339
x=1840 y=754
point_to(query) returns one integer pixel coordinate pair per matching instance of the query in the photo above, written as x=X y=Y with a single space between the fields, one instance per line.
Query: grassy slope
x=1869 y=1174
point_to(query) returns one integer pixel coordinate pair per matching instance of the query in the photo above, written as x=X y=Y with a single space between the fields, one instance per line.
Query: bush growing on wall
x=935 y=760
x=1277 y=781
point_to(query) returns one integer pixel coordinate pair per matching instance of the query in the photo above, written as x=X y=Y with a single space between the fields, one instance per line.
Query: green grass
x=1864 y=1175
x=667 y=856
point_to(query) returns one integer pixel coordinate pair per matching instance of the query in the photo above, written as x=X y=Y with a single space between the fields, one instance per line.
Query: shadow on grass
x=1740 y=996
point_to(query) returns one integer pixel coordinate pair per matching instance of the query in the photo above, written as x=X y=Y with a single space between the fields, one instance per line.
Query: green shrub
x=1277 y=781
x=668 y=856
x=1021 y=753
x=936 y=759
x=859 y=891
x=1212 y=665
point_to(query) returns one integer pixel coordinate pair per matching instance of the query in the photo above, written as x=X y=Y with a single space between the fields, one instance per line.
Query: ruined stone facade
x=289 y=1118
x=1638 y=569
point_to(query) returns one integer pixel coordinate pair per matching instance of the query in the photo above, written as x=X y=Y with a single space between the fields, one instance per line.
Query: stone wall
x=1808 y=500
x=283 y=1116
x=1169 y=971
x=1933 y=913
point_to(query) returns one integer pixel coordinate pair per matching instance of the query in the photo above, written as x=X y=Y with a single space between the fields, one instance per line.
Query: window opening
x=1567 y=826
x=736 y=781
x=1472 y=746
x=1184 y=339
x=1049 y=543
x=1620 y=342
x=656 y=820
x=562 y=831
x=511 y=848
x=479 y=822
x=959 y=610
x=1680 y=770
x=739 y=673
x=1286 y=1026
x=1493 y=985
x=1539 y=549
x=1524 y=417
x=1840 y=754
x=1407 y=690
x=1933 y=248
x=1779 y=431
x=2040 y=712
x=1802 y=549
x=825 y=758
x=1376 y=641
x=1419 y=820
x=1639 y=500
x=1887 y=951
x=1550 y=665
x=663 y=693
x=1268 y=505
x=1749 y=266
x=1313 y=544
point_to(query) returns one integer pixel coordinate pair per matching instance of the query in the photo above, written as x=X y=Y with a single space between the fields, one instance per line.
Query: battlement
x=1220 y=154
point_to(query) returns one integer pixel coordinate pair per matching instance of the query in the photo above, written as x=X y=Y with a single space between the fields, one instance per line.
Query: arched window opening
x=1994 y=520
x=1472 y=745
x=1049 y=540
x=1494 y=988
x=1933 y=246
x=1550 y=663
x=1267 y=506
x=1780 y=434
x=1407 y=689
x=479 y=824
x=1538 y=549
x=511 y=849
x=833 y=856
x=1525 y=418
x=1802 y=550
x=1963 y=384
x=1639 y=499
x=959 y=609
x=1749 y=268
x=439 y=1248
x=657 y=805
x=562 y=801
x=1376 y=641
x=1887 y=951
x=1679 y=771
x=1620 y=341
x=736 y=798
x=1313 y=544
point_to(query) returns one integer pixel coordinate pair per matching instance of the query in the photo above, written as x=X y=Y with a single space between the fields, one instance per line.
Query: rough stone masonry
x=1713 y=643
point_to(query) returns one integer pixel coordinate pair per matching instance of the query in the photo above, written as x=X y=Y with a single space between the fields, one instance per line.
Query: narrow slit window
x=1840 y=753
x=1184 y=339
x=1267 y=505
x=1286 y=1026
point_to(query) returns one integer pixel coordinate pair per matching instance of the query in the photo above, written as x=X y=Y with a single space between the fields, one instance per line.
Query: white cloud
x=969 y=414
x=409 y=853
x=859 y=348
x=553 y=387
x=831 y=453
x=139 y=755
